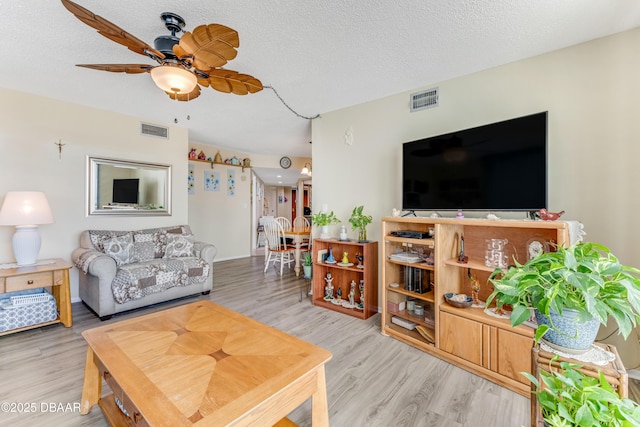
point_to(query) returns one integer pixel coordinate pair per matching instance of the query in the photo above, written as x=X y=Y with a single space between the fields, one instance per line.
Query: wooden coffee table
x=201 y=364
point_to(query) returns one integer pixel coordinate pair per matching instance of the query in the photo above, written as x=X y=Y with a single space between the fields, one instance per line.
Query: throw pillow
x=179 y=246
x=157 y=239
x=143 y=251
x=120 y=248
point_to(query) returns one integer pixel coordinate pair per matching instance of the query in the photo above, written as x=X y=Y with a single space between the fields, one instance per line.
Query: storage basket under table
x=26 y=308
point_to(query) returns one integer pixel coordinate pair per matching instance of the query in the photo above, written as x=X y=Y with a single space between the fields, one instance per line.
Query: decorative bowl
x=457 y=301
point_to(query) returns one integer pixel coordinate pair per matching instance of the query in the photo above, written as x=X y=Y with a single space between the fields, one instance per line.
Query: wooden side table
x=614 y=372
x=54 y=275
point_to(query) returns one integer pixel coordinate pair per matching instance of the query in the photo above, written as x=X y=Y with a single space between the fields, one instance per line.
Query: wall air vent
x=429 y=98
x=154 y=130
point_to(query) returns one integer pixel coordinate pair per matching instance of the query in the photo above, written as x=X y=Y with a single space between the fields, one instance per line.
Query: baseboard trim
x=232 y=257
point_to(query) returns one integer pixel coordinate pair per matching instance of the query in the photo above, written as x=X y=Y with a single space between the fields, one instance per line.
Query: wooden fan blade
x=210 y=46
x=229 y=81
x=120 y=68
x=185 y=96
x=110 y=30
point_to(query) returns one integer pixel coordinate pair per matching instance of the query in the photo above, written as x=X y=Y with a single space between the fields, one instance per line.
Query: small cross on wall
x=59 y=144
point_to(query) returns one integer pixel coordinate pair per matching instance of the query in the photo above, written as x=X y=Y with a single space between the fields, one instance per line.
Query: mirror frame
x=92 y=187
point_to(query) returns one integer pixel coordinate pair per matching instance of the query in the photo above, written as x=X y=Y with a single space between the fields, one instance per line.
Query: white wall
x=217 y=217
x=591 y=92
x=271 y=198
x=29 y=127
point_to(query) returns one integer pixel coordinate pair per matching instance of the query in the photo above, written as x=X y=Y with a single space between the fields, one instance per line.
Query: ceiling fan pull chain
x=290 y=109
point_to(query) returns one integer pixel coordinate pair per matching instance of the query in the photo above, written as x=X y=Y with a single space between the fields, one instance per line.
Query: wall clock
x=285 y=162
x=535 y=247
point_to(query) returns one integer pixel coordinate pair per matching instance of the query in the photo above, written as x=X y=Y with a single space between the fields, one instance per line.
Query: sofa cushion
x=178 y=246
x=120 y=248
x=136 y=280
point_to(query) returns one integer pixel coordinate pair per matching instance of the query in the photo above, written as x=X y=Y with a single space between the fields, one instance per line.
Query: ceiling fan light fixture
x=174 y=79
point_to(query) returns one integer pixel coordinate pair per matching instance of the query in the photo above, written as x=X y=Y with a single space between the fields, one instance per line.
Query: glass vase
x=362 y=235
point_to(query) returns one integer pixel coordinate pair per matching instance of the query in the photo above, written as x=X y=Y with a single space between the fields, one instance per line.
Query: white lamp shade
x=25 y=208
x=174 y=79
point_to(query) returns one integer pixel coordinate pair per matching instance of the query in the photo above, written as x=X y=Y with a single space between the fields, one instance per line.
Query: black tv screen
x=496 y=167
x=125 y=191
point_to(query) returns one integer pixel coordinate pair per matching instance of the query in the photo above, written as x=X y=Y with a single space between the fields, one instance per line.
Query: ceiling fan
x=185 y=63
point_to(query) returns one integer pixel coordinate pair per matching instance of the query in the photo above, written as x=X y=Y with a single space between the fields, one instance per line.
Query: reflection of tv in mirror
x=125 y=191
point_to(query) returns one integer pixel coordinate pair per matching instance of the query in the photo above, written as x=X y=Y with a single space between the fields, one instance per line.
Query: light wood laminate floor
x=372 y=380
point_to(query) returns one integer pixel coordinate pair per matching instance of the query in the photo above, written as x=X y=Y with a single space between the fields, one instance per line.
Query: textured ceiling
x=319 y=55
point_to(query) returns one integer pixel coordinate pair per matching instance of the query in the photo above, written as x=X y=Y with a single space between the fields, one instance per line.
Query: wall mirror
x=123 y=187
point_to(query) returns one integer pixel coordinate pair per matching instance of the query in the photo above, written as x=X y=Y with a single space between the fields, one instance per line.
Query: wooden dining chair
x=301 y=223
x=286 y=226
x=277 y=247
x=284 y=222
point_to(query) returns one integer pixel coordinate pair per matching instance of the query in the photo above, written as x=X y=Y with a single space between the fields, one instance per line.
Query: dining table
x=298 y=236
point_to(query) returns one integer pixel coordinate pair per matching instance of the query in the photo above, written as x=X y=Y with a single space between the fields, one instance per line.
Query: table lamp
x=25 y=210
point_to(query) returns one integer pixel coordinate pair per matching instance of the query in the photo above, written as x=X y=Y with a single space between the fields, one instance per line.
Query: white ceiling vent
x=154 y=130
x=429 y=98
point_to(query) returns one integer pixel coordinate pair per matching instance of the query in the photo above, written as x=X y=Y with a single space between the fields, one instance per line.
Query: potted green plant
x=360 y=221
x=324 y=220
x=307 y=265
x=570 y=398
x=584 y=281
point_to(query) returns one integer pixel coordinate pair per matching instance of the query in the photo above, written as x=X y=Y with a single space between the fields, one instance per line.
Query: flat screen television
x=496 y=167
x=125 y=191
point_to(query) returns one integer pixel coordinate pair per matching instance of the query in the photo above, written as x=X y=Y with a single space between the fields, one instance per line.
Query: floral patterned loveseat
x=123 y=270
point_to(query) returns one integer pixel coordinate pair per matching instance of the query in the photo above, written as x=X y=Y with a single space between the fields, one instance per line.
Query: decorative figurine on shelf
x=192 y=154
x=345 y=258
x=343 y=233
x=545 y=215
x=360 y=259
x=339 y=293
x=475 y=289
x=462 y=258
x=202 y=156
x=360 y=305
x=217 y=158
x=328 y=290
x=330 y=258
x=352 y=293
